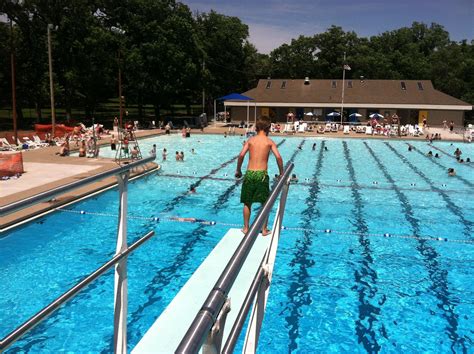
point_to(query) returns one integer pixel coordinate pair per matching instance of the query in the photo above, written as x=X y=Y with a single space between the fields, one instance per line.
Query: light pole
x=120 y=32
x=344 y=68
x=120 y=93
x=51 y=84
x=12 y=59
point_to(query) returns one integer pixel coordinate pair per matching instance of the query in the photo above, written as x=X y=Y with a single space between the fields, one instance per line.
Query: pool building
x=411 y=100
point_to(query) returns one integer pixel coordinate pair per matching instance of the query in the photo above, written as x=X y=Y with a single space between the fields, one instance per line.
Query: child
x=255 y=188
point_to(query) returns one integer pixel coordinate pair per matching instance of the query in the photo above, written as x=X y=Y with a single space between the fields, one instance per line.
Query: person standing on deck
x=256 y=185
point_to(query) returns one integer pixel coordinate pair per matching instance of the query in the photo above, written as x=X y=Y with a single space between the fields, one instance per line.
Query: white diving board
x=166 y=333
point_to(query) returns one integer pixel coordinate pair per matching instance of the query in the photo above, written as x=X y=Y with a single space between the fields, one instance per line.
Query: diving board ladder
x=239 y=272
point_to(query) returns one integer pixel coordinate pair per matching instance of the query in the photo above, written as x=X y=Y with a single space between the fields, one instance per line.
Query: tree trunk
x=68 y=113
x=157 y=108
x=38 y=112
x=19 y=117
x=140 y=105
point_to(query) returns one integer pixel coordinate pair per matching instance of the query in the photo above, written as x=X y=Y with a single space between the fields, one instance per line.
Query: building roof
x=409 y=93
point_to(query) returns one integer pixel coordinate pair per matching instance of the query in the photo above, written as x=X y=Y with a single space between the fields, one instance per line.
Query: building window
x=404 y=87
x=269 y=84
x=333 y=84
x=420 y=86
x=283 y=84
x=349 y=84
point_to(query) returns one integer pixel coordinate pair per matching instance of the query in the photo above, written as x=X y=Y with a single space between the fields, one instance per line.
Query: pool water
x=339 y=284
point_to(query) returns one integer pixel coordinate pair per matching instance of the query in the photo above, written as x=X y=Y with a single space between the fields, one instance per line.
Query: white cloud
x=268 y=37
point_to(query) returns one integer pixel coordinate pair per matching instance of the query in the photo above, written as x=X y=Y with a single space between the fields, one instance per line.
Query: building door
x=299 y=113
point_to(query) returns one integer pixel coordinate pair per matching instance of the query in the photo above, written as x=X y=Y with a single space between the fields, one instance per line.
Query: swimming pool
x=354 y=272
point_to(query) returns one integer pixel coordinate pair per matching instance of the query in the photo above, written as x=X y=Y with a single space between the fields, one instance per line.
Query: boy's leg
x=247 y=211
x=265 y=230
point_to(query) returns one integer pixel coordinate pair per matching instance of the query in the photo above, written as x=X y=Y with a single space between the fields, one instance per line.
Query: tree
x=231 y=61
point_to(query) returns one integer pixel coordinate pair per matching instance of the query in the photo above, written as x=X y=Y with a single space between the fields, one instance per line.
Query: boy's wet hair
x=263 y=123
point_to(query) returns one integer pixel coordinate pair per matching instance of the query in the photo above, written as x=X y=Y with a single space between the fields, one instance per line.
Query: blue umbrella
x=334 y=114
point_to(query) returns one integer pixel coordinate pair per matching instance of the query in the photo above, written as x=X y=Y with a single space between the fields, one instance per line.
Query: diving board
x=168 y=330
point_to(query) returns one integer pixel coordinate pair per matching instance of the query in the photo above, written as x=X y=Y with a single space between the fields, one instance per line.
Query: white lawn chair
x=368 y=130
x=328 y=128
x=38 y=141
x=31 y=144
x=288 y=128
x=346 y=129
x=9 y=146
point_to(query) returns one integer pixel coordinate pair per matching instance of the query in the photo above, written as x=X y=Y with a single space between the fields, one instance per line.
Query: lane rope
x=319 y=231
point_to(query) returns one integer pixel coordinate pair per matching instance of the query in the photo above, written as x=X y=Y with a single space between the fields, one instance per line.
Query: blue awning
x=236 y=97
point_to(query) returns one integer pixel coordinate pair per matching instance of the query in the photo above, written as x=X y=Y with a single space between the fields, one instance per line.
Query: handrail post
x=121 y=281
x=214 y=338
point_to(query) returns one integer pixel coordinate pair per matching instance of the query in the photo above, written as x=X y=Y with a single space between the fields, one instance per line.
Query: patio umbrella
x=355 y=115
x=309 y=114
x=376 y=115
x=333 y=114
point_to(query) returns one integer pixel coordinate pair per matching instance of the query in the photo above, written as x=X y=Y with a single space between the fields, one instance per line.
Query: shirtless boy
x=256 y=185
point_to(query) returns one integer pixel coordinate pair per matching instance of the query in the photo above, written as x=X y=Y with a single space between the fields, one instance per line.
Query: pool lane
x=437 y=275
x=435 y=161
x=298 y=292
x=370 y=302
x=451 y=206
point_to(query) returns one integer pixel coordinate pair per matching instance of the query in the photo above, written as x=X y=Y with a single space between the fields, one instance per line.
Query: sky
x=274 y=22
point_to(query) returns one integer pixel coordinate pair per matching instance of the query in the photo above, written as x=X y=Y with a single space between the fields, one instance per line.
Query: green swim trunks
x=256 y=187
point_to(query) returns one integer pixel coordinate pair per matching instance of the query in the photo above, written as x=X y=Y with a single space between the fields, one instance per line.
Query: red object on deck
x=11 y=164
x=59 y=129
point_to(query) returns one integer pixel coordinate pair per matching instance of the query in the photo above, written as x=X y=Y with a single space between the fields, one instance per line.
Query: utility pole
x=203 y=89
x=343 y=79
x=51 y=84
x=120 y=91
x=12 y=59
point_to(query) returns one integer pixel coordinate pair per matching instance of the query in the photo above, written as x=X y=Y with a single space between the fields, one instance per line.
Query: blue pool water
x=350 y=290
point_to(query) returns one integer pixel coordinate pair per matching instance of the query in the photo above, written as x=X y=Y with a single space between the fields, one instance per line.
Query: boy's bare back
x=259 y=148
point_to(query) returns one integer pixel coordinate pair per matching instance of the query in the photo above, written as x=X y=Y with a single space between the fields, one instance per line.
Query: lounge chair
x=333 y=128
x=368 y=130
x=7 y=145
x=328 y=128
x=33 y=144
x=288 y=128
x=346 y=129
x=38 y=141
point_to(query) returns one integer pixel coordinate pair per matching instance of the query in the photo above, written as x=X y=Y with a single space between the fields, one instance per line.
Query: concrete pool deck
x=45 y=170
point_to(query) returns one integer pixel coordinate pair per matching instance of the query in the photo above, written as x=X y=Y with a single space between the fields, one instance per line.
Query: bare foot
x=266 y=232
x=245 y=230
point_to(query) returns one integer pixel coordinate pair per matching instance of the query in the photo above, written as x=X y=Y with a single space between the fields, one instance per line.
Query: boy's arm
x=240 y=160
x=278 y=158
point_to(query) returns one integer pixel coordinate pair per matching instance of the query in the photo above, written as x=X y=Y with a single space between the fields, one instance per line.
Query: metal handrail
x=206 y=317
x=12 y=207
x=53 y=306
